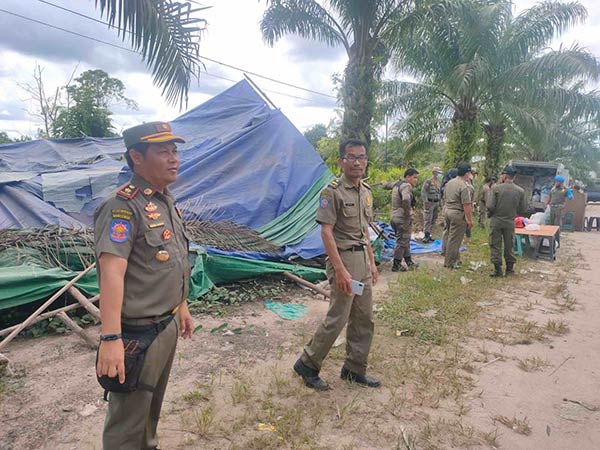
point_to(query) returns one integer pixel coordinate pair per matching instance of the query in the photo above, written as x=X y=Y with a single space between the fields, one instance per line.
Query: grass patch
x=532 y=364
x=556 y=327
x=520 y=426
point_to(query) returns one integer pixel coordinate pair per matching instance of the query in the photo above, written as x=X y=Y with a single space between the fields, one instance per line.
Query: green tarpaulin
x=291 y=227
x=24 y=284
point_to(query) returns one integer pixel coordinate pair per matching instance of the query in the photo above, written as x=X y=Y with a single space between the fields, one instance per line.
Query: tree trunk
x=462 y=138
x=494 y=146
x=358 y=95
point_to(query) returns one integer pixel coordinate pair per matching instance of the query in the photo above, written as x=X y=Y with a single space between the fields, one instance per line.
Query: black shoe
x=410 y=263
x=497 y=271
x=365 y=380
x=509 y=269
x=310 y=376
x=397 y=266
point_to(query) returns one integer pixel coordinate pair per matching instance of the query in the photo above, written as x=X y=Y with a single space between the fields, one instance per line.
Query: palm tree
x=479 y=69
x=362 y=27
x=529 y=83
x=166 y=35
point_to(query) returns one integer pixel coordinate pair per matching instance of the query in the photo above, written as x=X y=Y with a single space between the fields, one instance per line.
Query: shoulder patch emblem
x=128 y=191
x=119 y=230
x=369 y=200
x=324 y=202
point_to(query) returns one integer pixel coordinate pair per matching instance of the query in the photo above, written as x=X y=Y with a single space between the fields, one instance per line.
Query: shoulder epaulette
x=364 y=183
x=128 y=191
x=335 y=183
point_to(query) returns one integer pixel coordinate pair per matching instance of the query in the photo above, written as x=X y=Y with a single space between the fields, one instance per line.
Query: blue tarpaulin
x=243 y=161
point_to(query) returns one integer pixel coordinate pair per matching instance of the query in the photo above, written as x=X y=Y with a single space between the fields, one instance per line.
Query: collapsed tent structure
x=243 y=162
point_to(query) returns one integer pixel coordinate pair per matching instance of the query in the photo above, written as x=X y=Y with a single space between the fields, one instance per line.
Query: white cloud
x=233 y=36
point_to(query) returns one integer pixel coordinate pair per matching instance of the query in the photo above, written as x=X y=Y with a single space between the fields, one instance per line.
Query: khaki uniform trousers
x=430 y=214
x=482 y=214
x=502 y=234
x=403 y=229
x=454 y=232
x=132 y=417
x=354 y=310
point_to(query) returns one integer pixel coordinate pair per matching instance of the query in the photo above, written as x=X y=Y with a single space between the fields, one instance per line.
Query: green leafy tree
x=87 y=113
x=5 y=138
x=362 y=27
x=482 y=74
x=167 y=35
x=315 y=133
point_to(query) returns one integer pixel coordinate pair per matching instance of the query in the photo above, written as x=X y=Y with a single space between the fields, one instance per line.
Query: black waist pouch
x=136 y=340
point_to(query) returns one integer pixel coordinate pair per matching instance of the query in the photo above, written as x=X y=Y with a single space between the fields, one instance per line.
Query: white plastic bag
x=537 y=218
x=547 y=215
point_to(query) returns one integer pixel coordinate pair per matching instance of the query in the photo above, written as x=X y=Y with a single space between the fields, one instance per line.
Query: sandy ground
x=53 y=401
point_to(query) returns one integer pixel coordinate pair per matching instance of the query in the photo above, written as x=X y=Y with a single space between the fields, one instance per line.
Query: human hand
x=186 y=324
x=111 y=359
x=343 y=281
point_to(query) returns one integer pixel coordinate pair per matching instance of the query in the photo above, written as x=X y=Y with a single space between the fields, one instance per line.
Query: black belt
x=354 y=248
x=433 y=201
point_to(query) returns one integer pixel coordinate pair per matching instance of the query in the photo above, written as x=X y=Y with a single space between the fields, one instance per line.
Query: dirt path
x=547 y=395
x=536 y=343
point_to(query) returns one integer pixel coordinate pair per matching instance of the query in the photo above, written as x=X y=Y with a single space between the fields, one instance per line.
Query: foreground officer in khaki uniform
x=346 y=208
x=458 y=215
x=505 y=202
x=431 y=196
x=143 y=272
x=403 y=207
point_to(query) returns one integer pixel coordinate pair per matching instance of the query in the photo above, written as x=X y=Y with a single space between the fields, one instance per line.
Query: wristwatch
x=110 y=337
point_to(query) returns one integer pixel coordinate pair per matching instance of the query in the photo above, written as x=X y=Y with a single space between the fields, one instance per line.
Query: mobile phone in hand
x=357 y=287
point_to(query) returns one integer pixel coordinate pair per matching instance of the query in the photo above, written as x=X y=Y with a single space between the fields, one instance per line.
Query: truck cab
x=537 y=179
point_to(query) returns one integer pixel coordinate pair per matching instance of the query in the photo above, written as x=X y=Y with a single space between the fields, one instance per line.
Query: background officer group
x=505 y=202
x=345 y=211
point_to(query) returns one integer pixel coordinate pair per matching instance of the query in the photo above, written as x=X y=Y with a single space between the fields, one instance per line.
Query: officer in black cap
x=505 y=202
x=143 y=272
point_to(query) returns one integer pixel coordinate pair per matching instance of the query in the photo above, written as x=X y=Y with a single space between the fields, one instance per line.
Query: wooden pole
x=308 y=284
x=83 y=301
x=49 y=314
x=77 y=329
x=47 y=303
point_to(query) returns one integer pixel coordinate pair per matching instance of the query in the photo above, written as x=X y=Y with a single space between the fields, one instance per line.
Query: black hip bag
x=136 y=341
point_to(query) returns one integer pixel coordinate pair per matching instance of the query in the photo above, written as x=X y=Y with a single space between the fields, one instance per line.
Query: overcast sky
x=232 y=36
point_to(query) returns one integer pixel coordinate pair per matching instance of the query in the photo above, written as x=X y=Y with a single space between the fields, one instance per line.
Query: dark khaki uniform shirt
x=457 y=192
x=349 y=209
x=506 y=201
x=144 y=227
x=558 y=196
x=430 y=192
x=402 y=198
x=484 y=192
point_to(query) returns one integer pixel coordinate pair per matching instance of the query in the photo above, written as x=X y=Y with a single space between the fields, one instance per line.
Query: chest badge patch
x=166 y=235
x=369 y=201
x=162 y=256
x=119 y=230
x=150 y=207
x=148 y=191
x=153 y=215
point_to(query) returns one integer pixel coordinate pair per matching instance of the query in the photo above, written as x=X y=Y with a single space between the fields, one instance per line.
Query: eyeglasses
x=352 y=159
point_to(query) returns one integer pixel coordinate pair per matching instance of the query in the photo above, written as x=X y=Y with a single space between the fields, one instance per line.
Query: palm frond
x=166 y=34
x=536 y=27
x=305 y=18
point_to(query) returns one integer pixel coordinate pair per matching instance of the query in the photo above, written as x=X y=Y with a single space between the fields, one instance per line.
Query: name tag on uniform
x=349 y=204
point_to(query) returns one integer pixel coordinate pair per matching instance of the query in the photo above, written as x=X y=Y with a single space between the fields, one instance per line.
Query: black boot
x=397 y=266
x=427 y=239
x=410 y=263
x=310 y=376
x=510 y=269
x=497 y=271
